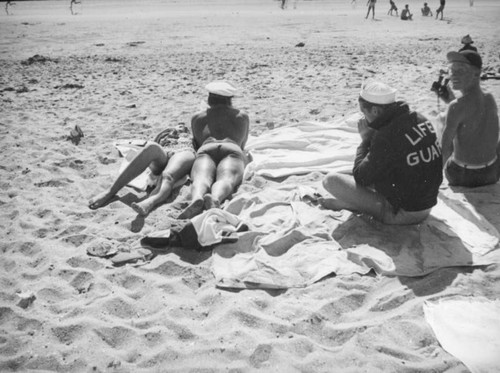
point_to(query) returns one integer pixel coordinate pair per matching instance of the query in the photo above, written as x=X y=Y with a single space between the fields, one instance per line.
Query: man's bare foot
x=210 y=202
x=144 y=207
x=194 y=208
x=100 y=200
x=330 y=203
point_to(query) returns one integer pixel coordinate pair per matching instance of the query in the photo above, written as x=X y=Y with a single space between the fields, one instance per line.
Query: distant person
x=283 y=4
x=470 y=141
x=426 y=11
x=393 y=8
x=371 y=7
x=219 y=137
x=71 y=5
x=7 y=4
x=442 y=3
x=405 y=14
x=467 y=42
x=398 y=167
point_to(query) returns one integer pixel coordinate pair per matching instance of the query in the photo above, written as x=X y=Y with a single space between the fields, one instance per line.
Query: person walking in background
x=405 y=14
x=71 y=5
x=371 y=7
x=7 y=4
x=440 y=9
x=393 y=8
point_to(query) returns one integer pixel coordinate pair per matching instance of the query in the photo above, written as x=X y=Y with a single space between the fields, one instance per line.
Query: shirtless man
x=398 y=167
x=470 y=142
x=166 y=167
x=426 y=11
x=219 y=137
x=405 y=14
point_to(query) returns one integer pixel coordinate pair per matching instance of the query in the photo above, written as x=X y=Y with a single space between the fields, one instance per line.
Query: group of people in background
x=406 y=15
x=398 y=168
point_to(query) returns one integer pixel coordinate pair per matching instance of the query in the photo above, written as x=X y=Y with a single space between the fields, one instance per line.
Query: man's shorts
x=463 y=175
x=220 y=150
x=402 y=217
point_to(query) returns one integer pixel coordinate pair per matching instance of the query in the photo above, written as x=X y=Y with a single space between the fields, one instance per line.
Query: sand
x=128 y=69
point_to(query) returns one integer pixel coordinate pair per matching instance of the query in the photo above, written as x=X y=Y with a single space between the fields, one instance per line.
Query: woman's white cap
x=222 y=88
x=377 y=92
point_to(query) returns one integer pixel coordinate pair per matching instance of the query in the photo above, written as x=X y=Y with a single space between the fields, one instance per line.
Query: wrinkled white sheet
x=469 y=329
x=292 y=243
x=304 y=147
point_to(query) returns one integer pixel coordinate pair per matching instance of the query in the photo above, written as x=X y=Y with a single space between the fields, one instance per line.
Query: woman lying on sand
x=219 y=136
x=167 y=167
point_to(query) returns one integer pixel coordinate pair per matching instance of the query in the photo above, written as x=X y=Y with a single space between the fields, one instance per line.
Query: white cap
x=222 y=88
x=377 y=92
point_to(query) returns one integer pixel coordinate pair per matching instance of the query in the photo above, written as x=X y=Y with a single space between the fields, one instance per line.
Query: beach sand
x=128 y=69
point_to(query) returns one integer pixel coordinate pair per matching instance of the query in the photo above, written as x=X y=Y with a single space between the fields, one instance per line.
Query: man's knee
x=332 y=181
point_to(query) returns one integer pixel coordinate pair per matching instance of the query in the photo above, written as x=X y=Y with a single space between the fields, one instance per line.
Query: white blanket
x=304 y=147
x=469 y=329
x=293 y=243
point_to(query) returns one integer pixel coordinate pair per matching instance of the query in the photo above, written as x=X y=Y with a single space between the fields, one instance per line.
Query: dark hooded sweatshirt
x=402 y=160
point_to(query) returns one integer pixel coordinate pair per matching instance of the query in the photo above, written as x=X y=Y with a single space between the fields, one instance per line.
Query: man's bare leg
x=152 y=154
x=350 y=196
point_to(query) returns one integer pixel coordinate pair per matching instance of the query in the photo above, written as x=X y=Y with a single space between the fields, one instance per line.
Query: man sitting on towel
x=219 y=137
x=398 y=167
x=471 y=148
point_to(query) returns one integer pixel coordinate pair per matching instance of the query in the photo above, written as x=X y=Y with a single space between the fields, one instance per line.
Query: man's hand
x=365 y=132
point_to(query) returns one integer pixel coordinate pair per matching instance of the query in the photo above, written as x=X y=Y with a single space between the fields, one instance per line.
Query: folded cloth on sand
x=128 y=149
x=201 y=232
x=304 y=147
x=469 y=329
x=215 y=226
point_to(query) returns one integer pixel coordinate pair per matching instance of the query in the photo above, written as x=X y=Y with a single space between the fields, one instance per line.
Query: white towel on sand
x=304 y=147
x=292 y=243
x=469 y=329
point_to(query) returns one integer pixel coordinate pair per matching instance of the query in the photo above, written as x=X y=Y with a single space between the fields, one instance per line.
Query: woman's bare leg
x=152 y=155
x=177 y=167
x=202 y=175
x=229 y=176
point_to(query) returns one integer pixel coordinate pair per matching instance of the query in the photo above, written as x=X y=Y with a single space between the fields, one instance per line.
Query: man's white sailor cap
x=377 y=92
x=222 y=88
